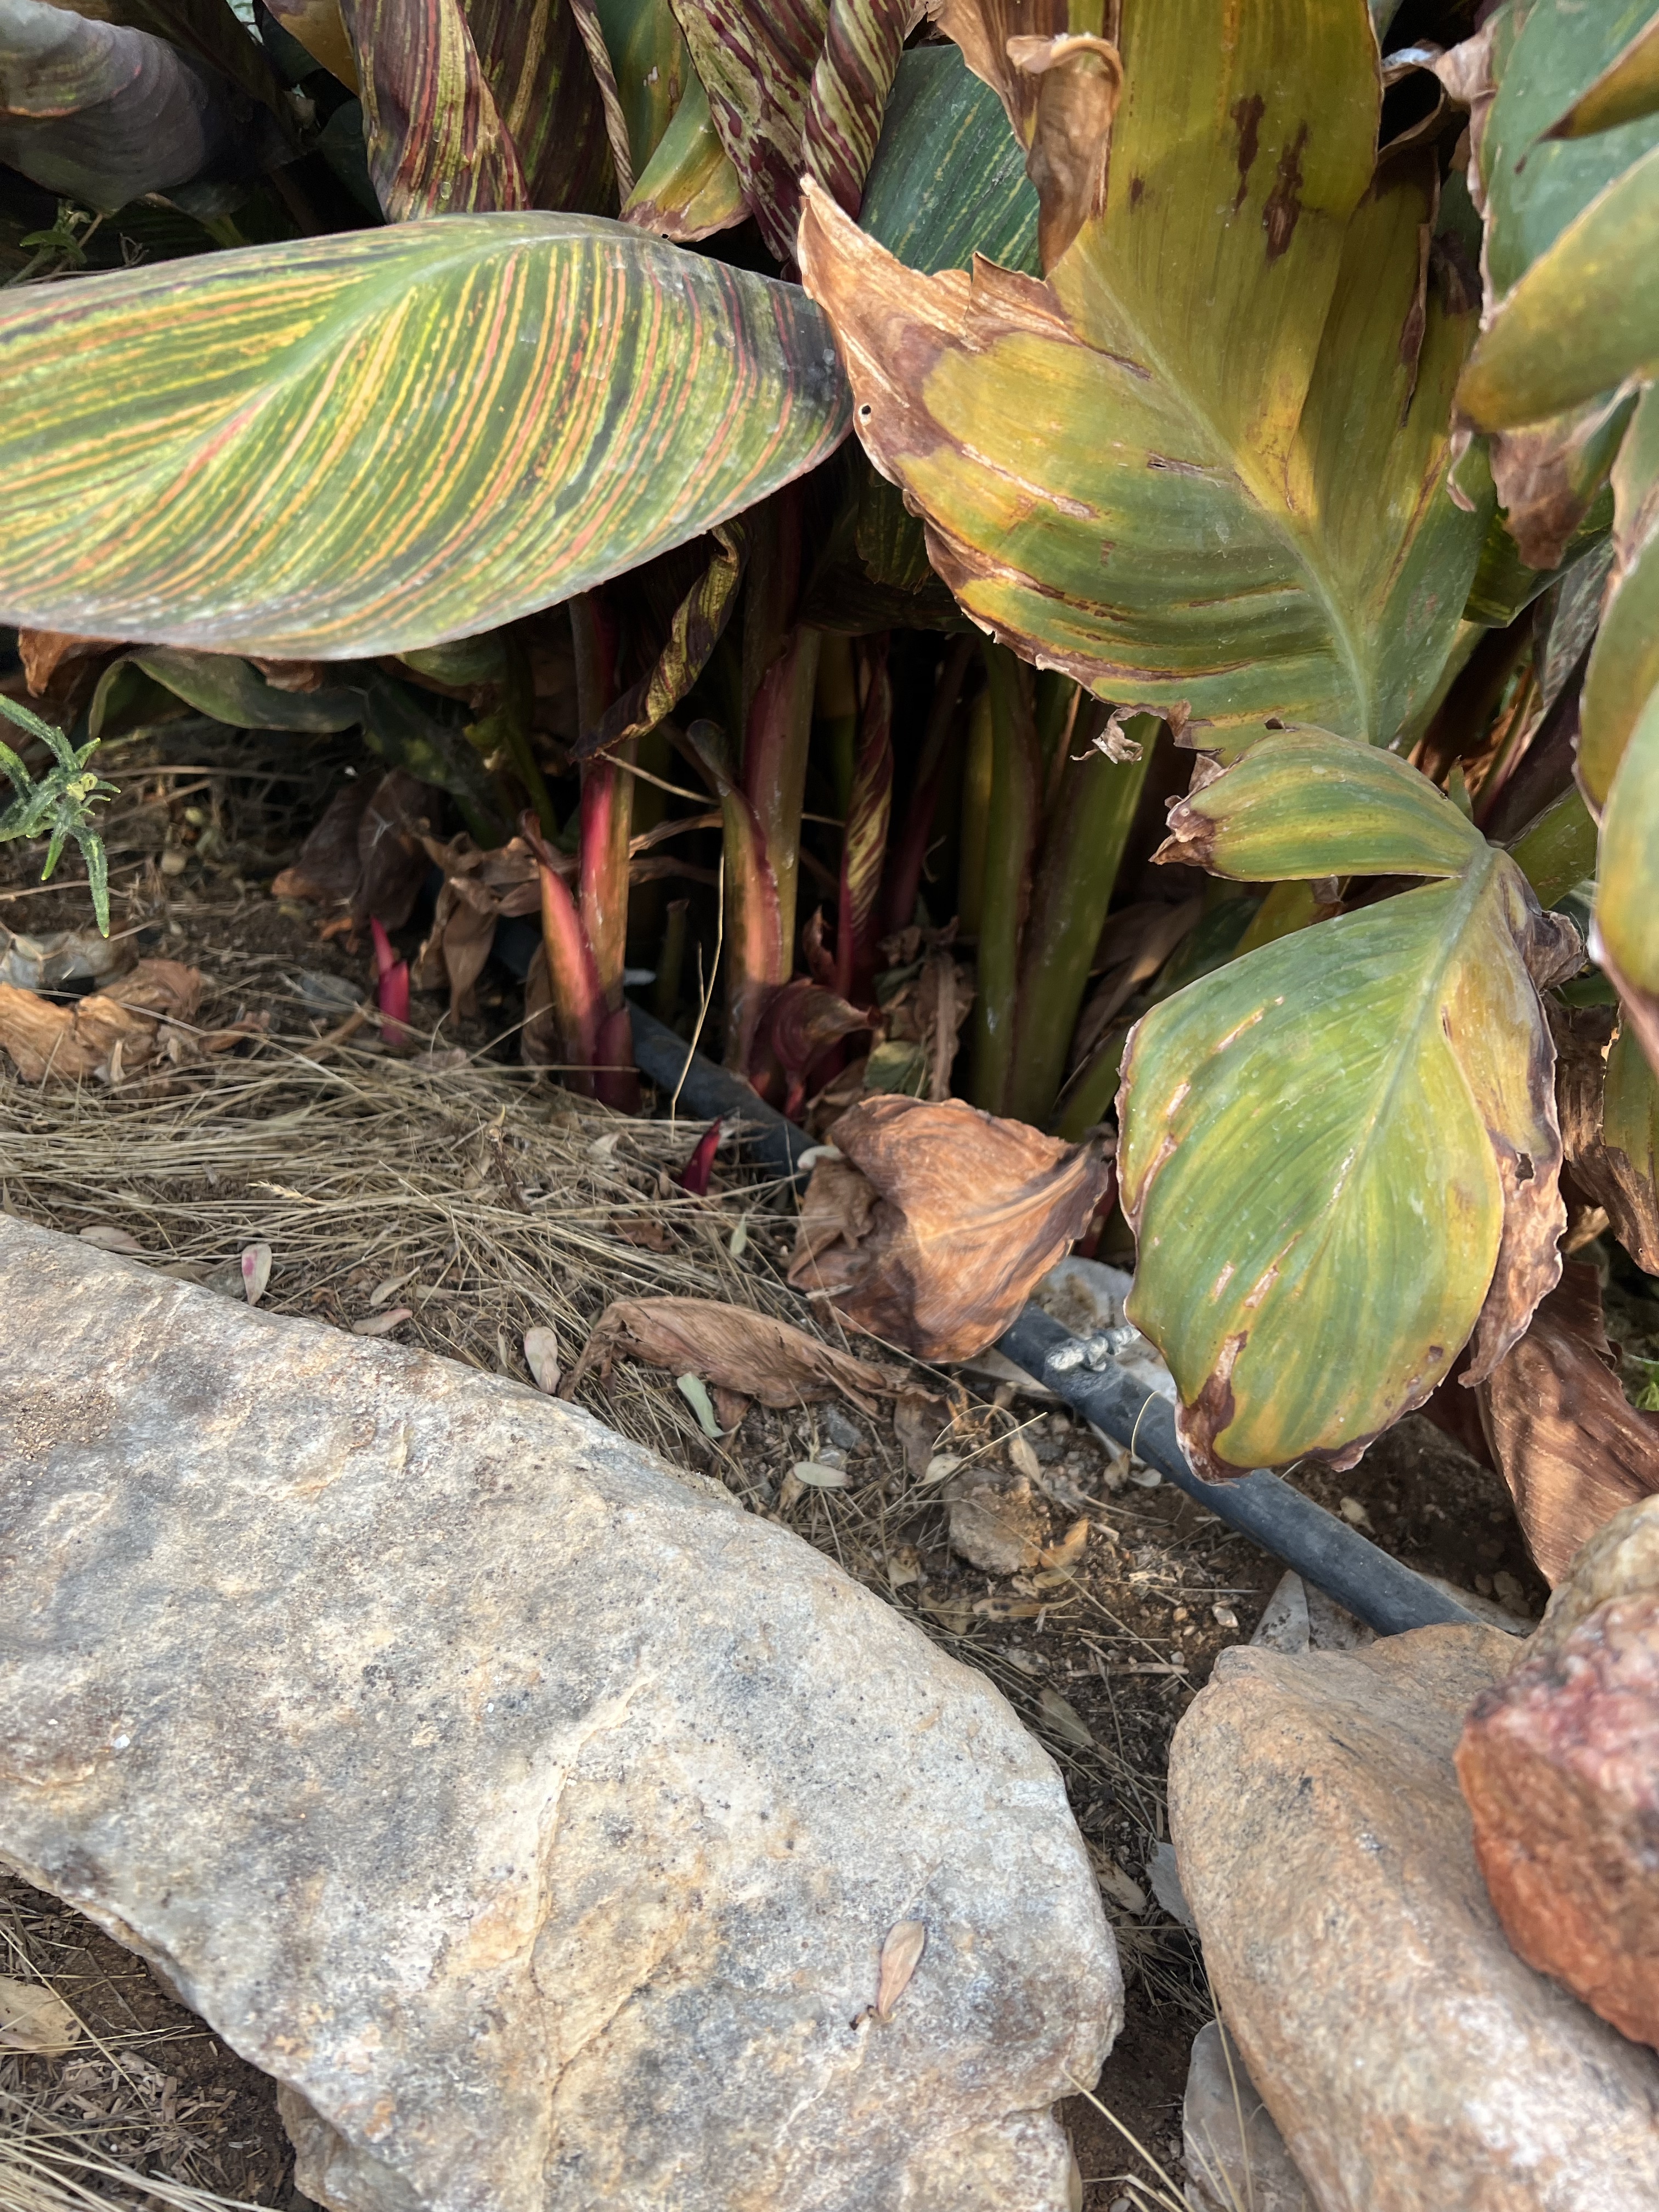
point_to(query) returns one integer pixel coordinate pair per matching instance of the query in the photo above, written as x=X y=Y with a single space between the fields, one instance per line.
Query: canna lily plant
x=947 y=443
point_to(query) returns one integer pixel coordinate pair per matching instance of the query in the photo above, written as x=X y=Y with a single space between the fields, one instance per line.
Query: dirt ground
x=487 y=1201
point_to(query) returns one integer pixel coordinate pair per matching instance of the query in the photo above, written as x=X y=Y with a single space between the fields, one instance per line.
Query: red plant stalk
x=864 y=845
x=606 y=823
x=695 y=1174
x=754 y=947
x=907 y=858
x=391 y=990
x=579 y=1008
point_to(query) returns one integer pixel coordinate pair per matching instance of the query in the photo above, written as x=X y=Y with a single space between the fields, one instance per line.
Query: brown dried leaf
x=1570 y=1446
x=918 y=1422
x=1065 y=1720
x=1079 y=82
x=110 y=1034
x=34 y=2018
x=541 y=1356
x=733 y=1348
x=964 y=1214
x=1606 y=1175
x=44 y=652
x=901 y=1954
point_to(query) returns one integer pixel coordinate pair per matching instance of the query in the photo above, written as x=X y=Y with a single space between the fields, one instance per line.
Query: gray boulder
x=535 y=1817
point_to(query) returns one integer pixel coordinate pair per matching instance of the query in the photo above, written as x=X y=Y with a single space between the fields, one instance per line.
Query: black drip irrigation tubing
x=1322 y=1549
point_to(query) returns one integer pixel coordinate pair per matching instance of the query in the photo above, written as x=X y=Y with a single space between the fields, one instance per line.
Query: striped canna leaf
x=105 y=112
x=437 y=144
x=479 y=108
x=239 y=453
x=696 y=626
x=862 y=42
x=210 y=31
x=764 y=65
x=546 y=93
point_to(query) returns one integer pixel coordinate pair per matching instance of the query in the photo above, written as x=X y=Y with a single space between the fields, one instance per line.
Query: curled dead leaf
x=1570 y=1446
x=367 y=852
x=255 y=1266
x=818 y=1476
x=731 y=1347
x=115 y=1032
x=935 y=1222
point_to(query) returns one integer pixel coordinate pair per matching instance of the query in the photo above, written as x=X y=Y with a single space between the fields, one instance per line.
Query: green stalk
x=836 y=711
x=1087 y=826
x=775 y=772
x=1014 y=815
x=671 y=962
x=976 y=817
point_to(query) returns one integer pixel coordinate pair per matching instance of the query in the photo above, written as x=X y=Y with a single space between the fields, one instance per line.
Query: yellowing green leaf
x=1582 y=318
x=688 y=190
x=1340 y=1153
x=1624 y=667
x=1627 y=882
x=239 y=453
x=1203 y=467
x=1307 y=805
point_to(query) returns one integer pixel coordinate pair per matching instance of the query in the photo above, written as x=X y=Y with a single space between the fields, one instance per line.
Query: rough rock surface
x=534 y=1817
x=1409 y=2056
x=1560 y=1764
x=1234 y=2153
x=1622 y=1559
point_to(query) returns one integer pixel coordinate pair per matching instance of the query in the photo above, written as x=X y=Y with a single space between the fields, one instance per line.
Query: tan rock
x=1411 y=2060
x=537 y=1819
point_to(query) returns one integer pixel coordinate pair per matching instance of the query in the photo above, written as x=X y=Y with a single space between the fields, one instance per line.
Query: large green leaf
x=1566 y=221
x=948 y=179
x=1340 y=1152
x=359 y=444
x=103 y=112
x=1535 y=186
x=1202 y=467
x=1585 y=317
x=1627 y=881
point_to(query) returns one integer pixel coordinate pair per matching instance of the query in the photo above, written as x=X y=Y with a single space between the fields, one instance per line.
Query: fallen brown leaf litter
x=451 y=1201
